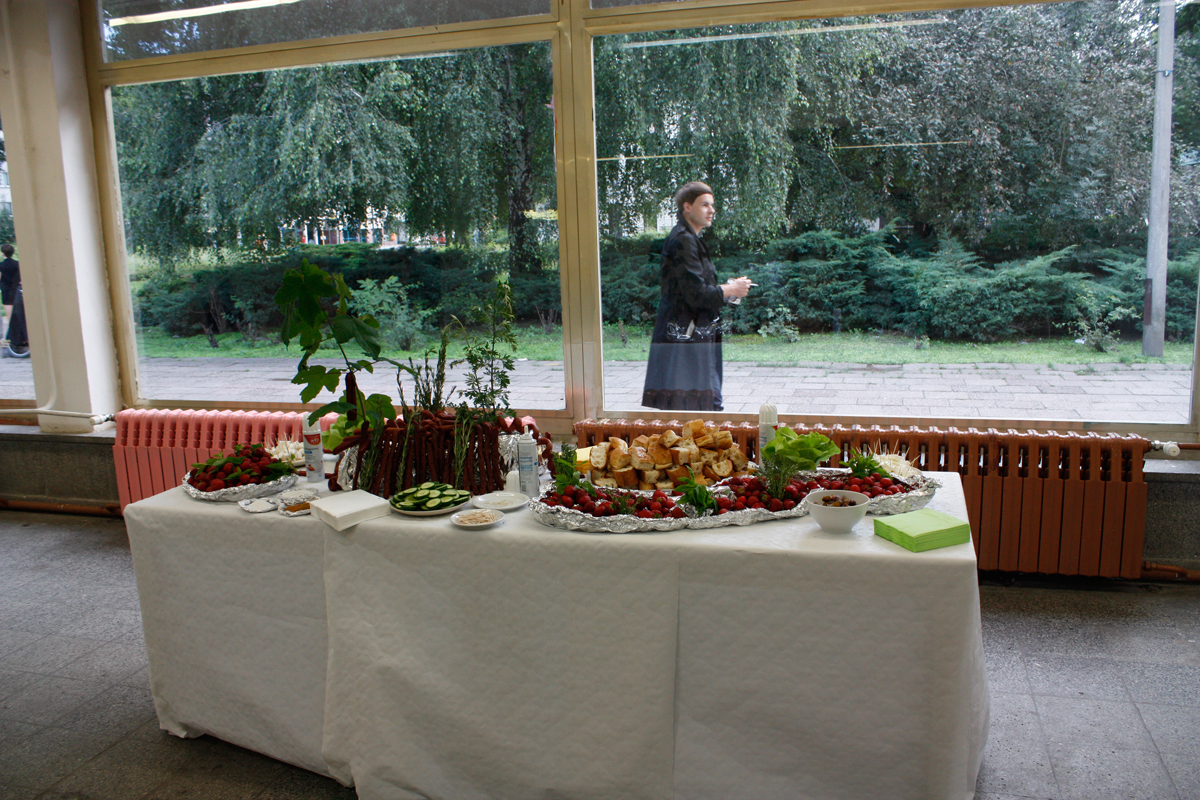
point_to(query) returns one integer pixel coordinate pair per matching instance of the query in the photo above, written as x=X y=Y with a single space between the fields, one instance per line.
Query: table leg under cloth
x=233 y=611
x=496 y=665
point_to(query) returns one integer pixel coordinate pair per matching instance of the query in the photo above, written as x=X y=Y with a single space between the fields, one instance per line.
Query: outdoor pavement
x=1097 y=392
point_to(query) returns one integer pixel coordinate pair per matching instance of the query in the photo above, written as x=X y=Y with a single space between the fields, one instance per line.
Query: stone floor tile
x=48 y=654
x=1150 y=645
x=48 y=699
x=1175 y=729
x=1184 y=770
x=12 y=681
x=110 y=663
x=1080 y=721
x=1107 y=773
x=1162 y=684
x=1075 y=676
x=1015 y=760
x=1006 y=671
x=48 y=756
x=115 y=712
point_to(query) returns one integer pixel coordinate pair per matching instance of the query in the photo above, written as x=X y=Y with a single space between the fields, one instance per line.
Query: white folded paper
x=343 y=509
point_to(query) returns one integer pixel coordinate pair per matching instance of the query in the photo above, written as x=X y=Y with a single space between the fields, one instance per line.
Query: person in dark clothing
x=10 y=279
x=684 y=371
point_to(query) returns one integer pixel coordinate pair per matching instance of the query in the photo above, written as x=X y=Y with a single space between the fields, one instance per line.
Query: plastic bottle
x=527 y=466
x=768 y=418
x=314 y=453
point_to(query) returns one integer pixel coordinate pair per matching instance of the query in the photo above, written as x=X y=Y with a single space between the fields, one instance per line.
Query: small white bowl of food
x=837 y=510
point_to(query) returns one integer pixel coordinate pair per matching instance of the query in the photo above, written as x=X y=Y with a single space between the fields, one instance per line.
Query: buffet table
x=413 y=659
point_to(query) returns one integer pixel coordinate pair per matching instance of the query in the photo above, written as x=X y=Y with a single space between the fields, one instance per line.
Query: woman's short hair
x=688 y=194
x=7 y=249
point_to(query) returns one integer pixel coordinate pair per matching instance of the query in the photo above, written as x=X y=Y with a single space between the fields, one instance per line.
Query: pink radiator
x=156 y=447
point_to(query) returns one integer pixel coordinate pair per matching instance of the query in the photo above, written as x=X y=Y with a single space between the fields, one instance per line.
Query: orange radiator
x=1054 y=503
x=156 y=447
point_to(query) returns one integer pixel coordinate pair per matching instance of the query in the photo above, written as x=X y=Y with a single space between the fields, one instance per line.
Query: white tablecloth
x=521 y=661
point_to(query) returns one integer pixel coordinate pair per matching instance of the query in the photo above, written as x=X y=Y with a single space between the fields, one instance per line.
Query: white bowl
x=832 y=518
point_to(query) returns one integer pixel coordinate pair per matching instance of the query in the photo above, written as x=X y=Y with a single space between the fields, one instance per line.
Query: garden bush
x=818 y=281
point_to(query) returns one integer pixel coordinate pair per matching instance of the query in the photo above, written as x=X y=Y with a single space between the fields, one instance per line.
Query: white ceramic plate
x=461 y=519
x=437 y=513
x=500 y=501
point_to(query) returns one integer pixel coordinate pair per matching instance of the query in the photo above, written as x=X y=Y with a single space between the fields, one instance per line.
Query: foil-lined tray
x=235 y=493
x=571 y=519
x=923 y=488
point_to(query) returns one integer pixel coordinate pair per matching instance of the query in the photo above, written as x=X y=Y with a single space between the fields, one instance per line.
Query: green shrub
x=401 y=324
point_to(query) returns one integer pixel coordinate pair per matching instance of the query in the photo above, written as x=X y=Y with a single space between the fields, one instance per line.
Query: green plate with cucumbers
x=429 y=500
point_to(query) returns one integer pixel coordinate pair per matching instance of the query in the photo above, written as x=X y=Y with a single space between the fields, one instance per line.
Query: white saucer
x=500 y=501
x=494 y=518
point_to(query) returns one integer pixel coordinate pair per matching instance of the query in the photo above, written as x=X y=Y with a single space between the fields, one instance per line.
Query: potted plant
x=427 y=440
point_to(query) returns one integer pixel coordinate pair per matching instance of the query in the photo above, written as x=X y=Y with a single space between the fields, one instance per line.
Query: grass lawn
x=852 y=348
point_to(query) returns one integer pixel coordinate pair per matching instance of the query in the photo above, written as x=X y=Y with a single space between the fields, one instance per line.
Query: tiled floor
x=1095 y=689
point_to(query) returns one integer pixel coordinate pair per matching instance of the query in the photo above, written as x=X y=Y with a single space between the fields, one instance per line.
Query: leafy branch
x=305 y=299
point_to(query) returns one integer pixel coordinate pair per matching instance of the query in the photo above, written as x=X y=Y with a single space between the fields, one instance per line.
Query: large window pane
x=143 y=28
x=944 y=213
x=424 y=181
x=16 y=374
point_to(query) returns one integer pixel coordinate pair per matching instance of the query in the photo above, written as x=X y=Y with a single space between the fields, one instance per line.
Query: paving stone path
x=1099 y=392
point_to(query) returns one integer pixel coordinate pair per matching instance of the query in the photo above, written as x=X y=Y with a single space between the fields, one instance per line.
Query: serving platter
x=437 y=512
x=500 y=501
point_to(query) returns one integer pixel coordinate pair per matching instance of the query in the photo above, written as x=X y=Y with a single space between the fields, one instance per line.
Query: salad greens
x=797 y=453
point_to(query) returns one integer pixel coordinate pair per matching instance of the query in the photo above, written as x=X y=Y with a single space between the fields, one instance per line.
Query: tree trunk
x=518 y=152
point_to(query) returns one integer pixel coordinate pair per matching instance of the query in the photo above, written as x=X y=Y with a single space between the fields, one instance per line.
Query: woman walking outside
x=684 y=372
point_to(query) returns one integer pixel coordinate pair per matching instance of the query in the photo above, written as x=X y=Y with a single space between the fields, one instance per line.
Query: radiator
x=1051 y=503
x=155 y=448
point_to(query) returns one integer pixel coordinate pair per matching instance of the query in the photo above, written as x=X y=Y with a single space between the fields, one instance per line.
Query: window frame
x=570 y=28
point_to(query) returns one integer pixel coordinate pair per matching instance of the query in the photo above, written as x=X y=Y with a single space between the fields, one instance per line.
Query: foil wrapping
x=918 y=496
x=235 y=493
x=570 y=519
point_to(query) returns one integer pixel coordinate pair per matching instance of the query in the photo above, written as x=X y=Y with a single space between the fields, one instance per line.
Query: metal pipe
x=1149 y=567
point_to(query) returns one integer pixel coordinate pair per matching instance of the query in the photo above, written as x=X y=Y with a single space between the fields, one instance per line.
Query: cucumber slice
x=421 y=494
x=429 y=485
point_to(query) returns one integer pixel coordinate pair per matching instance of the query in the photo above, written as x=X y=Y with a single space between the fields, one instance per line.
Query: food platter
x=435 y=513
x=236 y=493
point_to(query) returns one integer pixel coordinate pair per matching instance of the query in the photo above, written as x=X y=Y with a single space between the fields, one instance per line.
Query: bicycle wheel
x=17 y=351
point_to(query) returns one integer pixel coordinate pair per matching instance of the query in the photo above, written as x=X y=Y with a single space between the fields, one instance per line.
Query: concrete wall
x=1173 y=513
x=75 y=469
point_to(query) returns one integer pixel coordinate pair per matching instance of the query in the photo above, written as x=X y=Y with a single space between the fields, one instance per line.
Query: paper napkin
x=923 y=530
x=343 y=509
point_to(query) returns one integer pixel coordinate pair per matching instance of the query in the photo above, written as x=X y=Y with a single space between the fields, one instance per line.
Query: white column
x=48 y=140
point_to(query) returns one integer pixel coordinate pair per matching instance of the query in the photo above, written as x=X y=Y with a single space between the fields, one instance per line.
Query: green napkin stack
x=923 y=530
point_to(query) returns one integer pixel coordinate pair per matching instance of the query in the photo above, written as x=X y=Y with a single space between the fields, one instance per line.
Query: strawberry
x=677 y=513
x=788 y=505
x=216 y=485
x=776 y=505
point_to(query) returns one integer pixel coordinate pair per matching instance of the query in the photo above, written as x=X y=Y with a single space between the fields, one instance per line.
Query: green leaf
x=301 y=293
x=314 y=378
